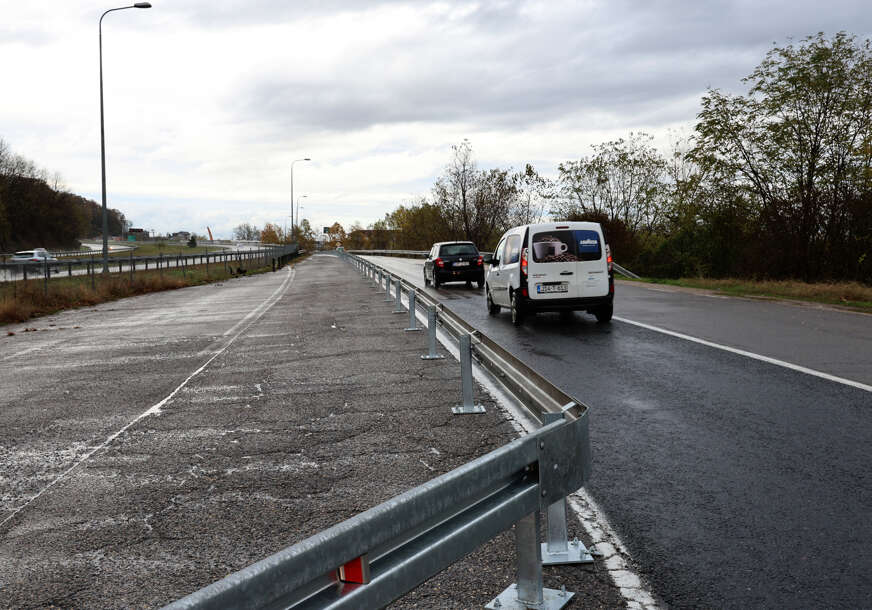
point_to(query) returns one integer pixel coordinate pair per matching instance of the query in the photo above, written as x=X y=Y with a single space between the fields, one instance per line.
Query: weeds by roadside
x=848 y=294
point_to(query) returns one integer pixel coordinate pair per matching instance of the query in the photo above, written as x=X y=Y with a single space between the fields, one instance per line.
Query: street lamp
x=292 y=193
x=103 y=134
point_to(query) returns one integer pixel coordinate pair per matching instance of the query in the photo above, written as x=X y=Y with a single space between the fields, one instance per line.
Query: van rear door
x=551 y=261
x=592 y=267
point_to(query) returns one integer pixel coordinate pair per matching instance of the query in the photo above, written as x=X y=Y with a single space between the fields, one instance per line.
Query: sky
x=207 y=103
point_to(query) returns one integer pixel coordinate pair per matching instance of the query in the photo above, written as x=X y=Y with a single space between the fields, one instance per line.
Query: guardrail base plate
x=576 y=553
x=462 y=409
x=408 y=330
x=508 y=600
x=429 y=357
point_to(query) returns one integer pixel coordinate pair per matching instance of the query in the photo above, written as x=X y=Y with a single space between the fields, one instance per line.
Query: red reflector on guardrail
x=355 y=571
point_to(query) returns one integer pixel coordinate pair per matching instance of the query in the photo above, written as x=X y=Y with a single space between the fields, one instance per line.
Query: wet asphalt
x=734 y=483
x=152 y=445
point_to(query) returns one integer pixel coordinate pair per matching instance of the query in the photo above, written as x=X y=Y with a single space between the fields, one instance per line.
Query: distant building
x=181 y=235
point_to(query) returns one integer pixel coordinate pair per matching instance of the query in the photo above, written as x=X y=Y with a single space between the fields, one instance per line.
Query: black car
x=454 y=261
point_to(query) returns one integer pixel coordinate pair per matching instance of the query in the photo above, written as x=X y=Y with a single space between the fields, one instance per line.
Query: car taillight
x=439 y=262
x=524 y=261
x=609 y=258
x=480 y=261
x=35 y=260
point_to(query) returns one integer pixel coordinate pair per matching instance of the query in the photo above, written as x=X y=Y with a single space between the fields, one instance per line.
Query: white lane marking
x=741 y=352
x=155 y=409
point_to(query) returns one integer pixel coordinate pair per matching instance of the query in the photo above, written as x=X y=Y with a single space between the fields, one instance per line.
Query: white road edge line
x=253 y=316
x=767 y=359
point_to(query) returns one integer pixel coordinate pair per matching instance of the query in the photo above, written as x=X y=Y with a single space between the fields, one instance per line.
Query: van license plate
x=462 y=264
x=546 y=288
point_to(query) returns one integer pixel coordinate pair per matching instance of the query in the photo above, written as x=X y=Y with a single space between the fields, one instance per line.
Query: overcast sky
x=208 y=102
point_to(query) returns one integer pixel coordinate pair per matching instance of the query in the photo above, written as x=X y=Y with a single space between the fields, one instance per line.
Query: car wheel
x=492 y=308
x=426 y=280
x=479 y=283
x=469 y=284
x=566 y=315
x=604 y=314
x=436 y=282
x=517 y=311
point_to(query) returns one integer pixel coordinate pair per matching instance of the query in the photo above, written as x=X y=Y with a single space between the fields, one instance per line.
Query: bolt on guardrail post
x=557 y=550
x=388 y=298
x=413 y=320
x=398 y=308
x=468 y=405
x=431 y=335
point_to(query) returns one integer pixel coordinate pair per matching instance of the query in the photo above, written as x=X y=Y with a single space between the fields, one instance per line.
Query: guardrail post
x=557 y=550
x=468 y=405
x=398 y=308
x=413 y=320
x=388 y=298
x=46 y=273
x=431 y=335
x=529 y=591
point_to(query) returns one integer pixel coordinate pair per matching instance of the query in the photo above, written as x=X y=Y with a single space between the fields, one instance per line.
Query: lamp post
x=292 y=193
x=103 y=134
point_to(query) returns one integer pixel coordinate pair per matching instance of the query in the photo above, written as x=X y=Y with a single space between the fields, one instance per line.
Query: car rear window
x=25 y=254
x=456 y=249
x=566 y=246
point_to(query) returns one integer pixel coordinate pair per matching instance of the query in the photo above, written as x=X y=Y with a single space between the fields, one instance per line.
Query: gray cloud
x=497 y=67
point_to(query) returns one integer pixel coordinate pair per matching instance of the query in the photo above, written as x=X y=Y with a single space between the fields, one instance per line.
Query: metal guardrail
x=409 y=253
x=487 y=258
x=377 y=556
x=624 y=272
x=92 y=266
x=403 y=253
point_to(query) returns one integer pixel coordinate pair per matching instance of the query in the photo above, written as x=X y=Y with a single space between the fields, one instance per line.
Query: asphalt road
x=734 y=481
x=152 y=445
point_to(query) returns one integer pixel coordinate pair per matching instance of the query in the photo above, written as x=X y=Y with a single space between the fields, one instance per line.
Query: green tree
x=799 y=146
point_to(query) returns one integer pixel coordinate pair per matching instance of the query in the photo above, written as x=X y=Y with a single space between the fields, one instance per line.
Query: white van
x=555 y=266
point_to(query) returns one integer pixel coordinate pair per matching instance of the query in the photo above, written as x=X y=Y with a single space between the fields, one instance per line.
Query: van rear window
x=566 y=246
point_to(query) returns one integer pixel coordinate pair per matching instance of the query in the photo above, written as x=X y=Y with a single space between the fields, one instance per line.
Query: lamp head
x=142 y=5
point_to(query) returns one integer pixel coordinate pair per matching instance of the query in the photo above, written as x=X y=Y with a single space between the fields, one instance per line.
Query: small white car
x=557 y=266
x=37 y=255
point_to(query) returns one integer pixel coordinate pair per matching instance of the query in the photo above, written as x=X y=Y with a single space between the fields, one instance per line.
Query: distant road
x=730 y=437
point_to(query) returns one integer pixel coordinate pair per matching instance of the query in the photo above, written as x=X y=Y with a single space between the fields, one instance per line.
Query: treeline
x=776 y=183
x=36 y=211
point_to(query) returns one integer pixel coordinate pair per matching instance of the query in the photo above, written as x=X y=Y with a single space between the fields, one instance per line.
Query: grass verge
x=853 y=295
x=21 y=301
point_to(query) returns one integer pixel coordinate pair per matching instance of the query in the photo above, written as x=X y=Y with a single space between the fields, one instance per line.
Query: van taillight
x=439 y=262
x=609 y=258
x=524 y=261
x=480 y=261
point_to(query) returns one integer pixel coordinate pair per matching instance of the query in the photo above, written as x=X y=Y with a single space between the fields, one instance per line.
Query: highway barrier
x=379 y=555
x=487 y=256
x=233 y=261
